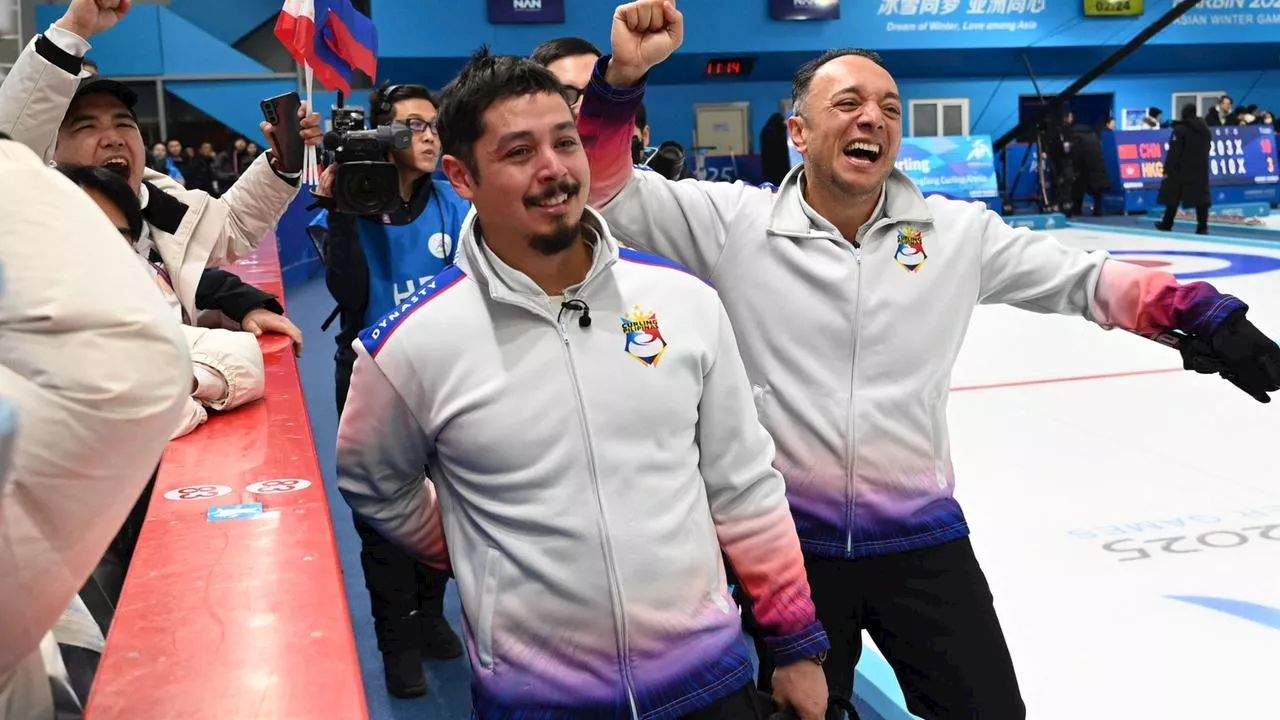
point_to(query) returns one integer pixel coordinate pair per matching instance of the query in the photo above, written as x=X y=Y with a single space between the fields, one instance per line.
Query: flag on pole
x=332 y=70
x=353 y=37
x=330 y=39
x=296 y=28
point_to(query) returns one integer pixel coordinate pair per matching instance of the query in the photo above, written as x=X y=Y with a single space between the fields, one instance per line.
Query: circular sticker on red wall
x=277 y=487
x=197 y=492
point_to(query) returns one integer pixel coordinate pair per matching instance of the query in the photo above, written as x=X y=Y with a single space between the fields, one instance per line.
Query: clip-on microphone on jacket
x=585 y=320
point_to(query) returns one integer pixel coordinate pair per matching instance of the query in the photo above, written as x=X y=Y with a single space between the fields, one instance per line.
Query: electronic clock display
x=729 y=67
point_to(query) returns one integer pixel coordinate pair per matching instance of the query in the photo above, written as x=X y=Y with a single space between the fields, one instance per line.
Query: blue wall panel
x=227 y=20
x=152 y=40
x=189 y=50
x=455 y=28
x=131 y=48
x=233 y=102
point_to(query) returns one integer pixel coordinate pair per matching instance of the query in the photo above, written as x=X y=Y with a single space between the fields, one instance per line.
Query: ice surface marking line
x=1077 y=378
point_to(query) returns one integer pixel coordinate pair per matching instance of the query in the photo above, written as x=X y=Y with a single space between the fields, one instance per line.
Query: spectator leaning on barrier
x=91 y=386
x=227 y=367
x=373 y=263
x=45 y=105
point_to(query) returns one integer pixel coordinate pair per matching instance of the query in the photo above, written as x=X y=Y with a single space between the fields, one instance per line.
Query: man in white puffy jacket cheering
x=821 y=279
x=590 y=440
x=227 y=365
x=89 y=392
x=49 y=104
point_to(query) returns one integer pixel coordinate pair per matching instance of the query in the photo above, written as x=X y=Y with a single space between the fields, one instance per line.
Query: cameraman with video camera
x=391 y=228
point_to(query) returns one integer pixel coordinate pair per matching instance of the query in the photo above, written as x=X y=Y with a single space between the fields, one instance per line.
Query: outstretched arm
x=686 y=221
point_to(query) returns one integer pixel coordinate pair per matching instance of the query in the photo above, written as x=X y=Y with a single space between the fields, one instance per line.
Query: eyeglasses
x=417 y=126
x=572 y=94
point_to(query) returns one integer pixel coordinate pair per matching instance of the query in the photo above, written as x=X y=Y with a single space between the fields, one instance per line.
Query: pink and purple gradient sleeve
x=747 y=497
x=605 y=123
x=1147 y=301
x=380 y=459
x=765 y=553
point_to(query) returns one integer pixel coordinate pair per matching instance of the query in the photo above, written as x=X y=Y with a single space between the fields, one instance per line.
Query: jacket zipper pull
x=564 y=334
x=857 y=254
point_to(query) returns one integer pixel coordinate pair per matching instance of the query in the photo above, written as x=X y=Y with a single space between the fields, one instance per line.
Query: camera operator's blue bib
x=402 y=258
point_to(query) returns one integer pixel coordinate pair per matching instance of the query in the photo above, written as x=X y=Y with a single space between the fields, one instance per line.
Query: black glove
x=1240 y=353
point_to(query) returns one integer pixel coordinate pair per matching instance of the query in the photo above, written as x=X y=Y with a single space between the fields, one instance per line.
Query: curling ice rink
x=1127 y=512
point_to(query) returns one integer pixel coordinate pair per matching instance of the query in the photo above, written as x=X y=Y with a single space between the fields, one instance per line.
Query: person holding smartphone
x=50 y=105
x=373 y=264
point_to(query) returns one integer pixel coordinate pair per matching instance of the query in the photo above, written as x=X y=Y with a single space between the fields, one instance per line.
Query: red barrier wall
x=237 y=612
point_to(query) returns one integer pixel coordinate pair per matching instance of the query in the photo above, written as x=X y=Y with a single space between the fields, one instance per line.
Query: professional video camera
x=364 y=182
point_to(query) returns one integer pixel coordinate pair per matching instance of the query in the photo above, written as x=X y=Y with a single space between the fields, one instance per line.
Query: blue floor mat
x=449 y=695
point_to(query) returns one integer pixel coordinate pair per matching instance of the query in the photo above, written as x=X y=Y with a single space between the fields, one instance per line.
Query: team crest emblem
x=644 y=338
x=910 y=253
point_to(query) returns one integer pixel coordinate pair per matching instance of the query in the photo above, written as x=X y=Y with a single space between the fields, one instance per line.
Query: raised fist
x=645 y=33
x=90 y=17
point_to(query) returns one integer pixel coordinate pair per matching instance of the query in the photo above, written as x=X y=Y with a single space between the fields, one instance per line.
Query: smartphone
x=282 y=112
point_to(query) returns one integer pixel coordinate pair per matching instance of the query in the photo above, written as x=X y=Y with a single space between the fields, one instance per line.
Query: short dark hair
x=552 y=50
x=486 y=79
x=642 y=117
x=111 y=186
x=382 y=101
x=804 y=76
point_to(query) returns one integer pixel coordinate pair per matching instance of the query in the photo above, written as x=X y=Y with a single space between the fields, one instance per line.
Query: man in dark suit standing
x=1221 y=114
x=1186 y=171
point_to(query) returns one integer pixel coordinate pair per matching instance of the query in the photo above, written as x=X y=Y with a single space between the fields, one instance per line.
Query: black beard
x=556 y=242
x=562 y=238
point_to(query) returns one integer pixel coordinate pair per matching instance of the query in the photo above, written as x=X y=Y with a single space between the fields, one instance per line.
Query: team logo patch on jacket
x=644 y=338
x=910 y=253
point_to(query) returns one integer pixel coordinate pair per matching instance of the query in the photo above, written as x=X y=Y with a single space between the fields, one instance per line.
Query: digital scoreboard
x=1238 y=155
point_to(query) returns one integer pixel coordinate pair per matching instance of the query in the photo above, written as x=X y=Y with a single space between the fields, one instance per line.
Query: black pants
x=1202 y=218
x=1077 y=199
x=930 y=612
x=101 y=591
x=745 y=704
x=1062 y=185
x=82 y=667
x=401 y=591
